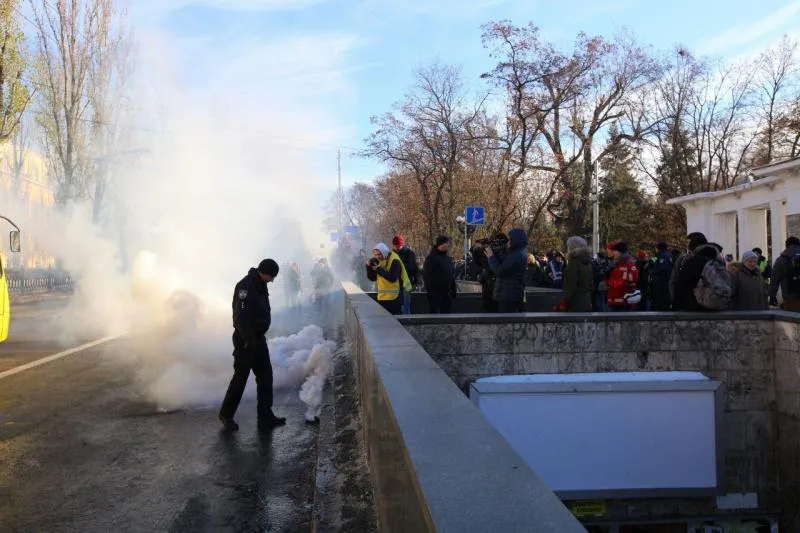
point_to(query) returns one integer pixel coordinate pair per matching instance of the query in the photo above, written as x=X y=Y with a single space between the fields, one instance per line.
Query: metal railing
x=26 y=281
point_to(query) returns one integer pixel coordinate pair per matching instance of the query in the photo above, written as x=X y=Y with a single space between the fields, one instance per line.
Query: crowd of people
x=704 y=278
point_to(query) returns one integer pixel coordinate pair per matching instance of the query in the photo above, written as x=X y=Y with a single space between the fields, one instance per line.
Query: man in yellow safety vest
x=387 y=269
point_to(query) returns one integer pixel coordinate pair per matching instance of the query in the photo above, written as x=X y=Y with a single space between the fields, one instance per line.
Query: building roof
x=769 y=173
x=778 y=166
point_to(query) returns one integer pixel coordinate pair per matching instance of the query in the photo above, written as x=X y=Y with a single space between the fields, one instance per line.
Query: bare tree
x=704 y=118
x=564 y=103
x=111 y=70
x=777 y=72
x=76 y=41
x=14 y=92
x=425 y=140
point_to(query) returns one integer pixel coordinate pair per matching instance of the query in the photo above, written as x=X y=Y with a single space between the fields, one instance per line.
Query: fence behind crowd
x=27 y=281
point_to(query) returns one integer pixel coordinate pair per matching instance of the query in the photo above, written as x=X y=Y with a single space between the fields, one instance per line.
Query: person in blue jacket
x=509 y=289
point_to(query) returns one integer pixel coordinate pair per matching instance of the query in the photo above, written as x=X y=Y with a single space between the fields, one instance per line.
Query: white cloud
x=781 y=20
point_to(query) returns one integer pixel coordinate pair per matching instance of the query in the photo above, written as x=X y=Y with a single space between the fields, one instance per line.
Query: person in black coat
x=251 y=321
x=440 y=282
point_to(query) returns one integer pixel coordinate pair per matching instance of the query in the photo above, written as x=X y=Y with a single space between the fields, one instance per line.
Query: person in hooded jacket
x=440 y=281
x=509 y=289
x=690 y=272
x=747 y=283
x=578 y=278
x=786 y=278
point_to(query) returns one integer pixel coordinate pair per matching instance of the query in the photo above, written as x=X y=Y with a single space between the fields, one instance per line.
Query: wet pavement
x=81 y=451
x=25 y=340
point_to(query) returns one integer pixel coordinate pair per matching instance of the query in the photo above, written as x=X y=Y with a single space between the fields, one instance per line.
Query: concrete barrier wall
x=743 y=350
x=470 y=300
x=436 y=463
x=787 y=388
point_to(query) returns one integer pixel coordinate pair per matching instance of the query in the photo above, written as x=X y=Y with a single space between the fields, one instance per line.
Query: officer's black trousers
x=255 y=358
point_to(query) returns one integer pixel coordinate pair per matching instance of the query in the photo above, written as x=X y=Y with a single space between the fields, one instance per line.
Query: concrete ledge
x=436 y=462
x=515 y=318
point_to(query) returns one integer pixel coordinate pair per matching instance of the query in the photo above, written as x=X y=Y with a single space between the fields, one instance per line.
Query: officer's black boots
x=228 y=423
x=271 y=421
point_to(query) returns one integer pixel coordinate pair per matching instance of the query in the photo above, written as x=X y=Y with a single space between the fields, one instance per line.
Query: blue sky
x=335 y=63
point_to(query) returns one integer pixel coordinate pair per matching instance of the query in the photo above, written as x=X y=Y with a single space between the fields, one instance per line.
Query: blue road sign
x=476 y=216
x=352 y=231
x=334 y=237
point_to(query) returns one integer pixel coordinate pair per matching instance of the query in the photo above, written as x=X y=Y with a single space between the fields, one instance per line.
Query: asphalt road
x=80 y=450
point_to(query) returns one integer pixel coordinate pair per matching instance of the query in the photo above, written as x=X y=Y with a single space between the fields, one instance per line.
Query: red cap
x=641 y=255
x=610 y=246
x=399 y=241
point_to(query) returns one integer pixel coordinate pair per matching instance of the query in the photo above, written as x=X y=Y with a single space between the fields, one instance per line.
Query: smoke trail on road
x=189 y=367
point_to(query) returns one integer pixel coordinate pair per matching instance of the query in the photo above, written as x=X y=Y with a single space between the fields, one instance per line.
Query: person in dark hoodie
x=509 y=289
x=786 y=277
x=440 y=281
x=578 y=278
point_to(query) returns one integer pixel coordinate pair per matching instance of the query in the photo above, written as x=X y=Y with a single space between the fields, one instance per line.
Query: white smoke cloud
x=211 y=191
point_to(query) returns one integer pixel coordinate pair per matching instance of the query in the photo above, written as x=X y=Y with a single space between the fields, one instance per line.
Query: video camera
x=373 y=262
x=497 y=244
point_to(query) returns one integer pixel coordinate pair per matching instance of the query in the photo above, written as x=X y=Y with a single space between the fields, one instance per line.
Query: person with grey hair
x=578 y=278
x=749 y=290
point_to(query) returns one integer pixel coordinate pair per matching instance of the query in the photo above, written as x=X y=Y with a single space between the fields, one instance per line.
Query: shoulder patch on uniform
x=242 y=294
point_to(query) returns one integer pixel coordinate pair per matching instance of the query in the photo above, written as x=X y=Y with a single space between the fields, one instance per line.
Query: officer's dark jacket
x=251 y=310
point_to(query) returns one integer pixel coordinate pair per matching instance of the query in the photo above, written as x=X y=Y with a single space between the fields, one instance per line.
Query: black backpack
x=794 y=274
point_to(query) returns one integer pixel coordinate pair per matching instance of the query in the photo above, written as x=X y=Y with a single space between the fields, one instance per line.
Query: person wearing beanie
x=387 y=269
x=786 y=277
x=439 y=275
x=749 y=292
x=251 y=321
x=409 y=259
x=623 y=280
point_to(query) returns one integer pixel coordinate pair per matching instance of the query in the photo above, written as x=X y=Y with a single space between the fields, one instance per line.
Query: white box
x=612 y=435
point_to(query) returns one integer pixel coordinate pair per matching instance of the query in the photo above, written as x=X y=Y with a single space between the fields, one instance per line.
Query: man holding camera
x=387 y=269
x=509 y=290
x=497 y=246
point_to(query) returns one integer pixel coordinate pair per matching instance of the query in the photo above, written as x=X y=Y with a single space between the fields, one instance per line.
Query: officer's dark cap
x=268 y=267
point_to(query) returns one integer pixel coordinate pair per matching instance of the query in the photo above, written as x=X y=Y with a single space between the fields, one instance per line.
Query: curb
x=343 y=492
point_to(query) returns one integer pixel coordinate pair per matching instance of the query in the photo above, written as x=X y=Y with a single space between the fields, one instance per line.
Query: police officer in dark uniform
x=251 y=320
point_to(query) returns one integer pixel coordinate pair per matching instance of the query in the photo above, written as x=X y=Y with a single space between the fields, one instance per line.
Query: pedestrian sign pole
x=474 y=215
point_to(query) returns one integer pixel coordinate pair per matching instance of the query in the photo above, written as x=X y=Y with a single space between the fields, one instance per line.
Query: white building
x=759 y=214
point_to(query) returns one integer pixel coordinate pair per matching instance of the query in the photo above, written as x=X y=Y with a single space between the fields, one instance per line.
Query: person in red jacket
x=622 y=279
